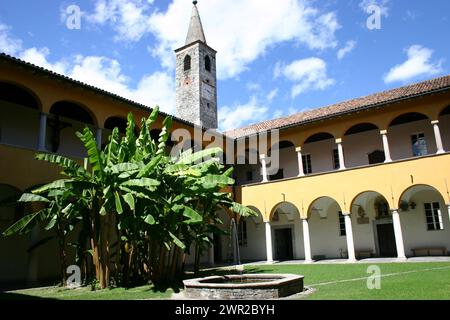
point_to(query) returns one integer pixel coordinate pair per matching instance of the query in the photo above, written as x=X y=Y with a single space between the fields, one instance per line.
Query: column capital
x=383 y=132
x=262 y=156
x=394 y=211
x=435 y=122
x=339 y=140
x=298 y=149
x=306 y=219
x=346 y=214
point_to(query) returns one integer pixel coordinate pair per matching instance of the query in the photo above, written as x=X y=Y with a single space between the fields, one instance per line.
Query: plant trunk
x=62 y=255
x=197 y=260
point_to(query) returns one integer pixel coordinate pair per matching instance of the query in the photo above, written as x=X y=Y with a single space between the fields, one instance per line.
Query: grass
x=85 y=293
x=399 y=281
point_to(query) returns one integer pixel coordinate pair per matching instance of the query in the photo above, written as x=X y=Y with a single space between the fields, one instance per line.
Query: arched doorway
x=327 y=229
x=425 y=221
x=373 y=228
x=13 y=262
x=251 y=235
x=287 y=234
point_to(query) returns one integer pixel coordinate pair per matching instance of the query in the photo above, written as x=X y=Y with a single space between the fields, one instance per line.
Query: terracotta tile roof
x=370 y=101
x=13 y=60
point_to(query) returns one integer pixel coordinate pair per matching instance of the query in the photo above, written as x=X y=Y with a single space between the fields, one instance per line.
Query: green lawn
x=423 y=280
x=406 y=281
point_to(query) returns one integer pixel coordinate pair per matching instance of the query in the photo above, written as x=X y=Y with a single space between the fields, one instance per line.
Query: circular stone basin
x=248 y=286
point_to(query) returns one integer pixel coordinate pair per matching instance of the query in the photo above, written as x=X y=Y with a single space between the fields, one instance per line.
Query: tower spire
x=195 y=32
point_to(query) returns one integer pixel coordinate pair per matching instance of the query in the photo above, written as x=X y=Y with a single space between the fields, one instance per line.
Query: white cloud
x=349 y=46
x=307 y=74
x=8 y=45
x=238 y=115
x=417 y=64
x=272 y=94
x=129 y=19
x=241 y=31
x=253 y=86
x=102 y=72
x=382 y=4
x=39 y=58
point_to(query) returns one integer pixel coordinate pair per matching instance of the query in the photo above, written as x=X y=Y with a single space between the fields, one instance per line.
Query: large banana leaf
x=198 y=156
x=27 y=223
x=70 y=167
x=94 y=157
x=29 y=197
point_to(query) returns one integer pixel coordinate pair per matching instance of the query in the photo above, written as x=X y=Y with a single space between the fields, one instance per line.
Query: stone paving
x=342 y=261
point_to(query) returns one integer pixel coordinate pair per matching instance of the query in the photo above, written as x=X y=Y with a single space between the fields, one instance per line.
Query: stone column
x=341 y=154
x=269 y=242
x=349 y=236
x=42 y=131
x=301 y=170
x=307 y=241
x=448 y=211
x=387 y=151
x=98 y=137
x=398 y=234
x=262 y=158
x=437 y=136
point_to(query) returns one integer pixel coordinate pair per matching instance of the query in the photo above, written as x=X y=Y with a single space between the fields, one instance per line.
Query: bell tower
x=196 y=82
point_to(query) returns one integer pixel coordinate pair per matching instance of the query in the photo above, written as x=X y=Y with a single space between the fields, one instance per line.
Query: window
x=207 y=64
x=278 y=176
x=187 y=63
x=376 y=157
x=307 y=168
x=242 y=233
x=342 y=231
x=419 y=145
x=249 y=175
x=336 y=163
x=434 y=216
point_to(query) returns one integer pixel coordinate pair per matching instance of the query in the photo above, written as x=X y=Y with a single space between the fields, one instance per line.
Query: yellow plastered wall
x=390 y=180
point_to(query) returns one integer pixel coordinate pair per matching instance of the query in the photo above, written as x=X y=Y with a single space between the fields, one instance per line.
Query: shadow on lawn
x=7 y=296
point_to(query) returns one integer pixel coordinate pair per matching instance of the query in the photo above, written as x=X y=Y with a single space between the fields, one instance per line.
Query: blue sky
x=274 y=58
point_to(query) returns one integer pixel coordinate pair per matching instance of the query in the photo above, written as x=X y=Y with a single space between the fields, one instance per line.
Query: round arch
x=259 y=219
x=445 y=111
x=320 y=136
x=116 y=122
x=325 y=202
x=407 y=118
x=406 y=200
x=9 y=208
x=359 y=205
x=74 y=111
x=17 y=93
x=360 y=128
x=284 y=207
